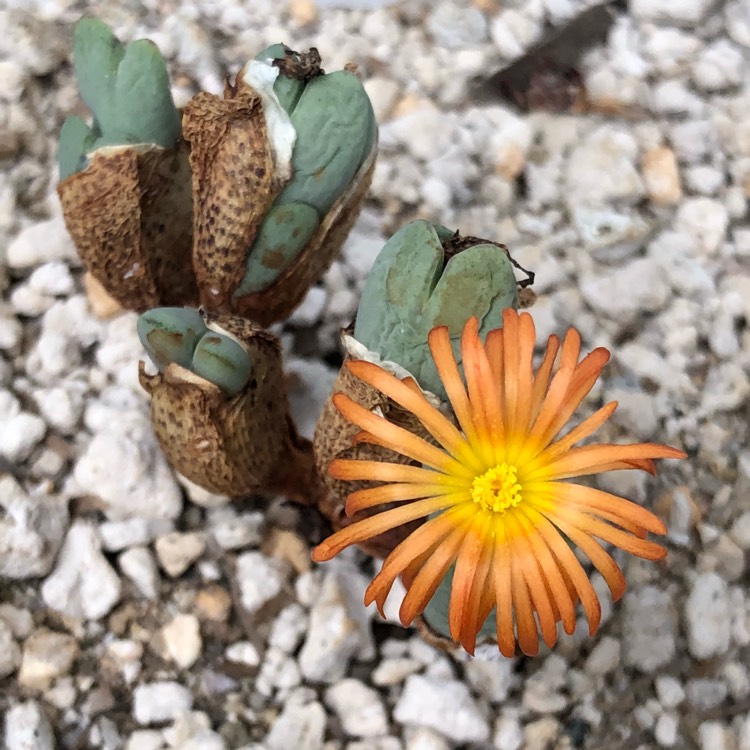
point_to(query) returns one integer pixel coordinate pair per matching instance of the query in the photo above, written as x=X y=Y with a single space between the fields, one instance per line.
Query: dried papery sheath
x=125 y=180
x=219 y=404
x=281 y=165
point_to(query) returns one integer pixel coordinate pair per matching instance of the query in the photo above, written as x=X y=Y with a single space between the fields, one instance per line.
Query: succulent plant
x=125 y=179
x=219 y=404
x=280 y=167
x=426 y=275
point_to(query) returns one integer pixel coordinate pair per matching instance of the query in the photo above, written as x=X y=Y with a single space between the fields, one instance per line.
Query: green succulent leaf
x=170 y=334
x=411 y=289
x=76 y=140
x=285 y=231
x=222 y=361
x=127 y=89
x=335 y=128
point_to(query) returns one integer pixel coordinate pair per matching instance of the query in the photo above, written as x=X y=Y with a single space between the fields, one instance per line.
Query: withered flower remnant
x=219 y=405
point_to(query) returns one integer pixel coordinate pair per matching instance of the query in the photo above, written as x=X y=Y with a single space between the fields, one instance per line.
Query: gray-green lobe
x=409 y=291
x=222 y=361
x=179 y=335
x=126 y=87
x=285 y=231
x=170 y=334
x=333 y=119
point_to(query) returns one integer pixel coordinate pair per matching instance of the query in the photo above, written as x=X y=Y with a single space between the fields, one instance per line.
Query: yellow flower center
x=497 y=489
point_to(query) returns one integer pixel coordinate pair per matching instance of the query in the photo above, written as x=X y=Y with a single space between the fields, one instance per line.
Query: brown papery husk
x=130 y=216
x=333 y=439
x=234 y=185
x=233 y=445
x=278 y=300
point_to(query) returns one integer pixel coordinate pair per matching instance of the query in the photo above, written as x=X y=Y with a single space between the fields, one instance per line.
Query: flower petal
x=414 y=401
x=397 y=438
x=501 y=574
x=425 y=583
x=377 y=524
x=392 y=493
x=348 y=469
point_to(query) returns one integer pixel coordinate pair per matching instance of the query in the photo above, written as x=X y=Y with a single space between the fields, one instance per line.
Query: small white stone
x=707 y=615
x=604 y=657
x=424 y=738
x=512 y=31
x=19 y=435
x=41 y=243
x=62 y=406
x=308 y=312
x=649 y=628
x=10 y=653
x=155 y=702
x=52 y=279
x=47 y=655
x=177 y=551
x=83 y=583
x=138 y=564
x=279 y=673
x=339 y=628
x=665 y=730
x=508 y=733
x=703 y=694
x=125 y=655
x=133 y=532
x=444 y=705
x=236 y=531
x=243 y=652
x=706 y=220
x=686 y=12
x=601 y=169
x=454 y=27
x=394 y=671
x=719 y=66
x=358 y=707
x=628 y=291
x=27 y=728
x=145 y=739
x=737 y=17
x=31 y=530
x=18 y=621
x=713 y=735
x=298 y=727
x=492 y=679
x=259 y=579
x=204 y=740
x=740 y=531
x=288 y=628
x=128 y=471
x=669 y=691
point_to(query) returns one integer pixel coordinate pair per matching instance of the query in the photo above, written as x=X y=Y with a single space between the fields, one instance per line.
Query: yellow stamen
x=497 y=489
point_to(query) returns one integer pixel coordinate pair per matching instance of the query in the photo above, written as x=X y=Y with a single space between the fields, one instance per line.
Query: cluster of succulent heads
x=213 y=222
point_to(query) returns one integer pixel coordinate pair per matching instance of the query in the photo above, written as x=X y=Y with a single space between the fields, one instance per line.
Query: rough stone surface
x=83 y=583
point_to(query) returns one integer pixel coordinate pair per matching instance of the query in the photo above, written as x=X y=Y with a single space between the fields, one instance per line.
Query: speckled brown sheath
x=234 y=184
x=130 y=215
x=233 y=445
x=278 y=300
x=333 y=439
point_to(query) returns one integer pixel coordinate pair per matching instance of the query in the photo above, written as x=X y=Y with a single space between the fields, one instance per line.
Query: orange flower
x=495 y=493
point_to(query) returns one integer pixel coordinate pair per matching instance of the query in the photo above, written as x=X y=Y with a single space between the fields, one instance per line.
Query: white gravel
x=132 y=619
